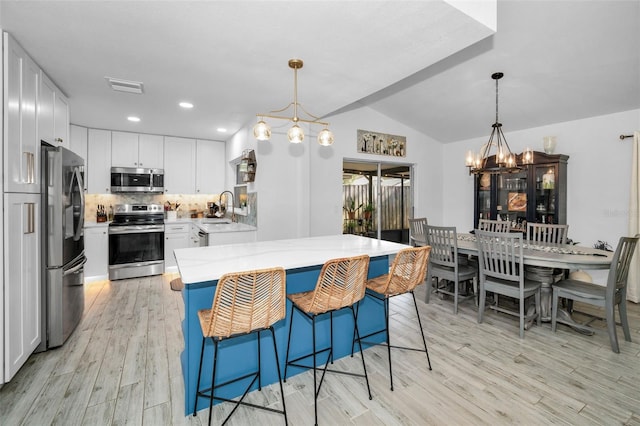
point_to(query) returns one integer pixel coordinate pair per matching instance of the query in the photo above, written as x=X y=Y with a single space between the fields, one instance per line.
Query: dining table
x=302 y=258
x=541 y=260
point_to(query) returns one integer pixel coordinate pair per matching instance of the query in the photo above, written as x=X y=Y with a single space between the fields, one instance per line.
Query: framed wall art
x=381 y=143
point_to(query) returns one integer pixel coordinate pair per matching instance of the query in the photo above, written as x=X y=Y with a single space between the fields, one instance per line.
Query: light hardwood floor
x=121 y=366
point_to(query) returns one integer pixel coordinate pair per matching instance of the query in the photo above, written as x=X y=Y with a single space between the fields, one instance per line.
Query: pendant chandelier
x=504 y=160
x=262 y=131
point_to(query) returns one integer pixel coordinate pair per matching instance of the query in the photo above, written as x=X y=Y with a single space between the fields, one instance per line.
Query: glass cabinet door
x=484 y=196
x=512 y=198
x=546 y=193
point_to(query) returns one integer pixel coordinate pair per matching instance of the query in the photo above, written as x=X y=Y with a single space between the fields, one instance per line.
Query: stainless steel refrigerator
x=63 y=255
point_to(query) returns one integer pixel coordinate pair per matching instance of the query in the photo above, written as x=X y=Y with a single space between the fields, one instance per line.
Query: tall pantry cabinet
x=21 y=222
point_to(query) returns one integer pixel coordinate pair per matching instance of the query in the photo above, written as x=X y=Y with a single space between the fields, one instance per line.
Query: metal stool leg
x=424 y=341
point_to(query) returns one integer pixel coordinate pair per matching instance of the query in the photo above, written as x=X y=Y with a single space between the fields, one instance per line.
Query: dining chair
x=445 y=265
x=407 y=271
x=607 y=297
x=416 y=231
x=340 y=285
x=244 y=303
x=501 y=265
x=494 y=225
x=547 y=233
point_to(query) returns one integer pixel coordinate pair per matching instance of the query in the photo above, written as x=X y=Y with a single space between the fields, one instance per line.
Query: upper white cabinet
x=21 y=143
x=78 y=144
x=179 y=175
x=99 y=162
x=137 y=150
x=22 y=328
x=210 y=170
x=151 y=151
x=53 y=113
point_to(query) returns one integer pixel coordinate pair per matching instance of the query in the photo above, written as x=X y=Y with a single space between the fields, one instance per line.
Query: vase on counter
x=549 y=144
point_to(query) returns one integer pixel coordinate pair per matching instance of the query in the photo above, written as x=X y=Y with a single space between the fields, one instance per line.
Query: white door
x=22 y=312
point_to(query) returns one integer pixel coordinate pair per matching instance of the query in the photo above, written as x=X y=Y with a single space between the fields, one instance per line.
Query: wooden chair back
x=444 y=245
x=500 y=255
x=494 y=225
x=619 y=271
x=416 y=231
x=547 y=233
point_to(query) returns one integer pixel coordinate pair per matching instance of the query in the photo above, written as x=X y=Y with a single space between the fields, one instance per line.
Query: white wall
x=300 y=186
x=282 y=182
x=326 y=168
x=598 y=174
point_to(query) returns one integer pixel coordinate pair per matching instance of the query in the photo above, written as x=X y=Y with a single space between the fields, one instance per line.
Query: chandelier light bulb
x=469 y=160
x=295 y=134
x=262 y=131
x=325 y=137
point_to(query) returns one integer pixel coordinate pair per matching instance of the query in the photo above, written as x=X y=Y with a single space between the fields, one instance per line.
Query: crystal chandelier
x=504 y=160
x=262 y=131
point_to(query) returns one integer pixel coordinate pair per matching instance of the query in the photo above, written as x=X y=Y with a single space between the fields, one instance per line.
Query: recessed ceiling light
x=133 y=118
x=186 y=105
x=221 y=130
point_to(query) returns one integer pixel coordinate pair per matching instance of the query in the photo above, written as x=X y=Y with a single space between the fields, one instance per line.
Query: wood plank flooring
x=121 y=366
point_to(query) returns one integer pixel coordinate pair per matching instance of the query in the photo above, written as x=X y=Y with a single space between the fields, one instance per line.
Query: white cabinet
x=22 y=328
x=78 y=144
x=180 y=164
x=124 y=149
x=21 y=144
x=151 y=151
x=176 y=236
x=137 y=150
x=53 y=113
x=210 y=167
x=232 y=237
x=96 y=248
x=99 y=162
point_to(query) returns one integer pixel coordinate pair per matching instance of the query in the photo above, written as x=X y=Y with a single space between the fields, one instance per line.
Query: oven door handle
x=142 y=229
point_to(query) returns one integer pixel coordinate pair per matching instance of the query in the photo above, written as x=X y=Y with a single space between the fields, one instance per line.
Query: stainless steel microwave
x=131 y=179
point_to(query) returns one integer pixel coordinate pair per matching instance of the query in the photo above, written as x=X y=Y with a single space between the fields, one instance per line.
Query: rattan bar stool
x=244 y=303
x=408 y=270
x=341 y=285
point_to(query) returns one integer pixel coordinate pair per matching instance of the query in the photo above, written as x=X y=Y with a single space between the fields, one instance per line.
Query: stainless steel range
x=136 y=241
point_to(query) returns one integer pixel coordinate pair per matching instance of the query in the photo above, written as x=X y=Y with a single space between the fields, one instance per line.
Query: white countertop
x=211 y=228
x=202 y=264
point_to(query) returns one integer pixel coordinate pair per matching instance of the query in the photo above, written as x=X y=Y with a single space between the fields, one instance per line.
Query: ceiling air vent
x=125 y=85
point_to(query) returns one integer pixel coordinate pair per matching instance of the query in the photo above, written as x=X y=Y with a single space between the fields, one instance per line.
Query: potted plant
x=367 y=211
x=350 y=208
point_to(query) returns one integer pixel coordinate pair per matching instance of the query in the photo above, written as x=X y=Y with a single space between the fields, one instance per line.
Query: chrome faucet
x=233 y=212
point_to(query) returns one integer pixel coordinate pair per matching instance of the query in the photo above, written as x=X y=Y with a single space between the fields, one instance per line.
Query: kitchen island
x=200 y=269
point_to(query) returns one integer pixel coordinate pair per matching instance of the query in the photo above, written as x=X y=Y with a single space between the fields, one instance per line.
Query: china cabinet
x=538 y=193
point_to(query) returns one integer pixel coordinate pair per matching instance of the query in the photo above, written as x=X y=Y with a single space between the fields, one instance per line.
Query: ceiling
x=423 y=63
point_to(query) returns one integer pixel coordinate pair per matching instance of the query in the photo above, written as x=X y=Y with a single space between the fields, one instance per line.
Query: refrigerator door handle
x=77 y=179
x=76 y=268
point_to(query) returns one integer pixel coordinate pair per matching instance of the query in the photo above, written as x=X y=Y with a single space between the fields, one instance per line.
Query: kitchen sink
x=213 y=220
